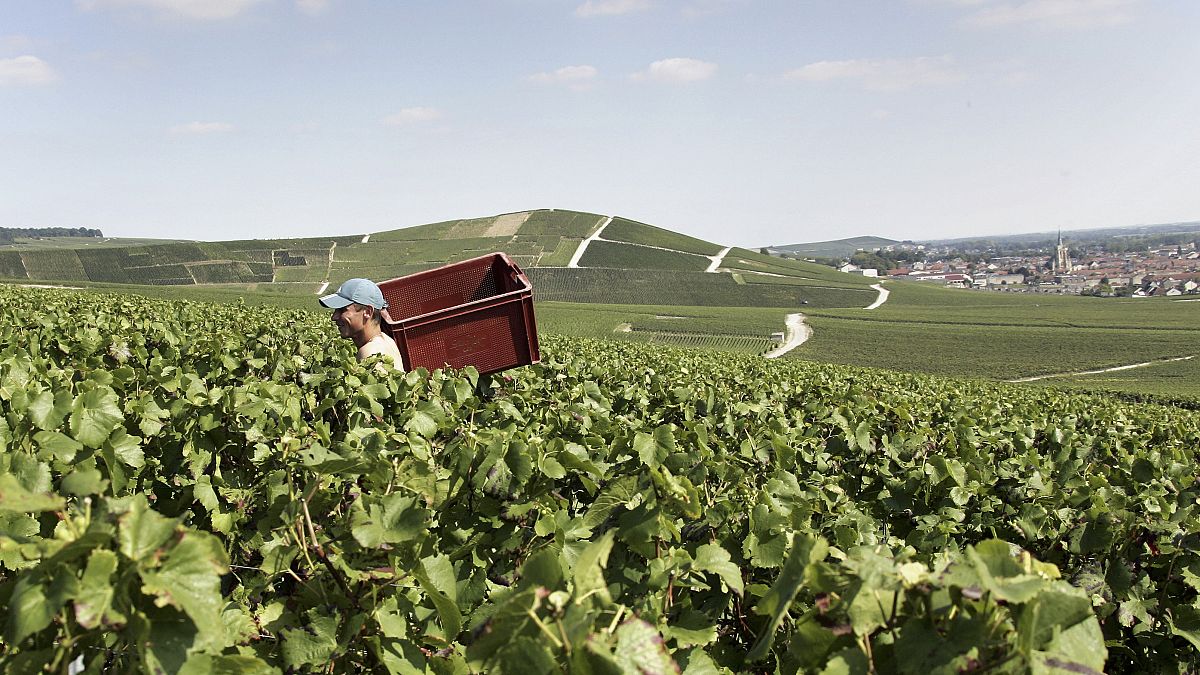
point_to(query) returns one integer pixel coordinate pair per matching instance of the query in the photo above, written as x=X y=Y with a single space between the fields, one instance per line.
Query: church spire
x=1062 y=256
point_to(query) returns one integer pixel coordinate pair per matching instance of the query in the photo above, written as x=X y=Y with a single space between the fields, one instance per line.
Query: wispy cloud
x=611 y=7
x=15 y=43
x=677 y=70
x=1043 y=14
x=882 y=74
x=576 y=78
x=1070 y=14
x=313 y=7
x=412 y=116
x=26 y=71
x=207 y=10
x=700 y=8
x=954 y=3
x=201 y=128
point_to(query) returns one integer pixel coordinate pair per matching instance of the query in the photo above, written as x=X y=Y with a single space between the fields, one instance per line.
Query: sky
x=744 y=122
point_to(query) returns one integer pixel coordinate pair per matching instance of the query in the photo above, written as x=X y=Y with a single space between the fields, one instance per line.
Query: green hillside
x=673 y=268
x=835 y=248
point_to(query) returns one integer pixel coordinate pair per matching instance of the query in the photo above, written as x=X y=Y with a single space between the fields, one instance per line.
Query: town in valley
x=1148 y=261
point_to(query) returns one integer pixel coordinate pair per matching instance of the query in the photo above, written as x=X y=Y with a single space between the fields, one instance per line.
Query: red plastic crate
x=477 y=312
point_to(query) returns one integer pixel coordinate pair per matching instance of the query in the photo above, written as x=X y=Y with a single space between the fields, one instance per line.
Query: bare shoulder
x=382 y=344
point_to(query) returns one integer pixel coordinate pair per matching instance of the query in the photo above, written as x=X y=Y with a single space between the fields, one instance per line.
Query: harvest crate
x=477 y=312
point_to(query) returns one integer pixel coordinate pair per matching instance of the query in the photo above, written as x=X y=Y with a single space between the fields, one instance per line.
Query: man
x=358 y=312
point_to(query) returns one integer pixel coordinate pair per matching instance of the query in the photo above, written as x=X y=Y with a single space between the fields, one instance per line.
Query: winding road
x=883 y=296
x=796 y=332
x=794 y=335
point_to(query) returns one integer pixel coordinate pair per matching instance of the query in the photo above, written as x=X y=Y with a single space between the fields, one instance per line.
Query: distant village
x=1091 y=269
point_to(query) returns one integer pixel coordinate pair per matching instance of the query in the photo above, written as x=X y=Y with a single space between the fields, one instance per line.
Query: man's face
x=351 y=319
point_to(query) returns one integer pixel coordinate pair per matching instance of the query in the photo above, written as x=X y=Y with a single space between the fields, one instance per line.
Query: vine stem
x=545 y=630
x=320 y=551
x=870 y=654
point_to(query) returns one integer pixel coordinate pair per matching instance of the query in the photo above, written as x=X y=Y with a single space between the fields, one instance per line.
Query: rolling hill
x=834 y=249
x=623 y=261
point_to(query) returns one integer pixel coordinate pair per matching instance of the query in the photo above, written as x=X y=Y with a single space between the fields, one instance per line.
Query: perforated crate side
x=442 y=288
x=496 y=332
x=490 y=338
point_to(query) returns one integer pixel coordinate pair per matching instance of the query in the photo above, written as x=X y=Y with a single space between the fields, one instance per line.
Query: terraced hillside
x=573 y=255
x=177 y=263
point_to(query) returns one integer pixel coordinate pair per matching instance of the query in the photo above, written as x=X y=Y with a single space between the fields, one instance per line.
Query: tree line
x=10 y=234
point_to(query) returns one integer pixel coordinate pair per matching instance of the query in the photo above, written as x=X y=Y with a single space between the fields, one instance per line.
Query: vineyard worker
x=358 y=313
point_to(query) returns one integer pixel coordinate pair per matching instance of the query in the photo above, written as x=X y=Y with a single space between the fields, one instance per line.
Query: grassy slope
x=629 y=256
x=744 y=259
x=652 y=287
x=958 y=332
x=1169 y=379
x=837 y=247
x=631 y=231
x=602 y=320
x=744 y=329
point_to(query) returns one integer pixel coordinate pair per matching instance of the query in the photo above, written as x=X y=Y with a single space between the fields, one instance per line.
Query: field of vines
x=696 y=289
x=723 y=341
x=633 y=232
x=617 y=255
x=194 y=487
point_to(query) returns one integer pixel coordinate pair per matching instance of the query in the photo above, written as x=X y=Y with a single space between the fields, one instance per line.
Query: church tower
x=1062 y=257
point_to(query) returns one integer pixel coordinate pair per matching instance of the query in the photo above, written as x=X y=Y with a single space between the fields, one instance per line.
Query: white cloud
x=312 y=7
x=1071 y=14
x=677 y=70
x=882 y=74
x=611 y=7
x=577 y=78
x=201 y=128
x=25 y=71
x=188 y=9
x=412 y=116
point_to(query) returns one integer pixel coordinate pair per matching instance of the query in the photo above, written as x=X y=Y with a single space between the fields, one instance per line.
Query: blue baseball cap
x=361 y=291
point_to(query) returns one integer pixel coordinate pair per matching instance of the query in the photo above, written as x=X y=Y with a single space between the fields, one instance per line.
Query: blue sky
x=746 y=122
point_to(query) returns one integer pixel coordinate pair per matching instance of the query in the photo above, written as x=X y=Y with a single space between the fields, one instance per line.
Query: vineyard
x=633 y=232
x=722 y=341
x=618 y=255
x=696 y=289
x=193 y=487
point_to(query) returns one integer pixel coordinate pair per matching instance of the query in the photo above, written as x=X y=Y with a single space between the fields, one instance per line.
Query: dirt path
x=1131 y=366
x=75 y=288
x=883 y=296
x=794 y=335
x=329 y=267
x=584 y=244
x=716 y=259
